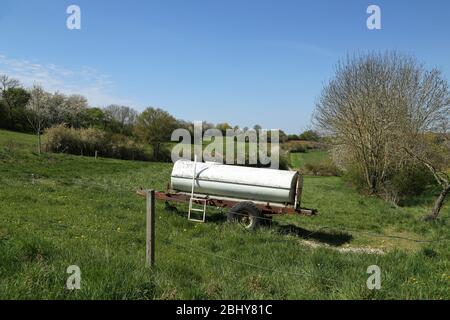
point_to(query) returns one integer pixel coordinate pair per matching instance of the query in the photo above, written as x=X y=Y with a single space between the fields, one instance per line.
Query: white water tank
x=235 y=181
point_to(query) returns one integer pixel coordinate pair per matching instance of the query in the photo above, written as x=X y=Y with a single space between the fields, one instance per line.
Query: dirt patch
x=362 y=250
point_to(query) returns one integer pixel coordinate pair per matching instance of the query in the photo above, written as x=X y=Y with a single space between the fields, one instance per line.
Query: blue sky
x=244 y=62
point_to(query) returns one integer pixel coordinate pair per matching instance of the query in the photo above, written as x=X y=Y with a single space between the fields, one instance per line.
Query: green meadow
x=58 y=210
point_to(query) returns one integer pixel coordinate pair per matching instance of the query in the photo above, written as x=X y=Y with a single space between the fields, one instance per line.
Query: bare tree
x=38 y=111
x=6 y=84
x=370 y=106
x=380 y=105
x=123 y=115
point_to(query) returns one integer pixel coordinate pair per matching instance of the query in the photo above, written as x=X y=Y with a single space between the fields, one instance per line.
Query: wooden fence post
x=150 y=228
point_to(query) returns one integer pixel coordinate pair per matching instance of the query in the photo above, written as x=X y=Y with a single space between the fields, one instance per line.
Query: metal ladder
x=193 y=198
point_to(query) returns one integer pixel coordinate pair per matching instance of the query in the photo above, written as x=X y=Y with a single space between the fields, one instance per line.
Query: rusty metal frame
x=221 y=202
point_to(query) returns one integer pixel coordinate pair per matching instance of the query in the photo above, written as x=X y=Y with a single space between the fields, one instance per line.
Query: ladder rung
x=196 y=220
x=199 y=199
x=198 y=210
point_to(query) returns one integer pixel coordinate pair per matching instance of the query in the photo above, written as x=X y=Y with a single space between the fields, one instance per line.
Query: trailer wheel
x=246 y=214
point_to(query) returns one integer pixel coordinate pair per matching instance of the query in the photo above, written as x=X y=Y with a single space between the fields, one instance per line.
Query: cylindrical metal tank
x=235 y=181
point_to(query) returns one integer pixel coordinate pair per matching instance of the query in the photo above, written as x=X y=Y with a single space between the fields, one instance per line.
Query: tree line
x=30 y=110
x=35 y=110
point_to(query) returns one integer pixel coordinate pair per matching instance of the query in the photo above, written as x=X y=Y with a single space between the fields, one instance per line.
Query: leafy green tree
x=155 y=126
x=12 y=105
x=95 y=117
x=292 y=137
x=310 y=135
x=17 y=100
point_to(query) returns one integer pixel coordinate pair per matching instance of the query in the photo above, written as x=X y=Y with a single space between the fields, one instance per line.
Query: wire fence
x=188 y=249
x=270 y=225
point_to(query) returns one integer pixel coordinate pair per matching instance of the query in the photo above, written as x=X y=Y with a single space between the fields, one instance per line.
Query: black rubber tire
x=247 y=214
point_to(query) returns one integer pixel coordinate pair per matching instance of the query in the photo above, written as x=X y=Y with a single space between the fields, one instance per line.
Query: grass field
x=299 y=160
x=60 y=210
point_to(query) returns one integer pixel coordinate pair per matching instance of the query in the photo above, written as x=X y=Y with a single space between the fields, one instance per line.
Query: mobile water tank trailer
x=250 y=194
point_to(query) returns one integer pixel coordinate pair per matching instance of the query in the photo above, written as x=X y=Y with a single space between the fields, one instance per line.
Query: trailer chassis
x=267 y=208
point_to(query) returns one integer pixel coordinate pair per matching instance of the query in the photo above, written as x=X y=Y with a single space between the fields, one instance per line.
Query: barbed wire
x=197 y=250
x=186 y=248
x=304 y=273
x=307 y=236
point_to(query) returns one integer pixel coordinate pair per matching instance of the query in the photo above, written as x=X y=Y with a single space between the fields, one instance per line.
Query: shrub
x=299 y=148
x=62 y=139
x=409 y=180
x=87 y=141
x=322 y=169
x=303 y=146
x=355 y=177
x=292 y=137
x=310 y=135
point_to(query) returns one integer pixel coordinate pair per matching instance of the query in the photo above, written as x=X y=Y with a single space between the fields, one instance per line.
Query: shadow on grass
x=330 y=238
x=217 y=217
